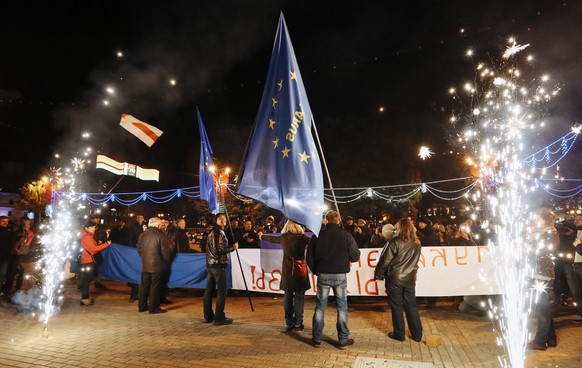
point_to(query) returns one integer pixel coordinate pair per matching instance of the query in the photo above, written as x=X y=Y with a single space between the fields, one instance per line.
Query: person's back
x=332 y=252
x=154 y=250
x=329 y=257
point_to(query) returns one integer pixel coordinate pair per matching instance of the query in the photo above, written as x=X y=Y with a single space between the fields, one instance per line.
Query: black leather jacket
x=217 y=248
x=154 y=250
x=398 y=262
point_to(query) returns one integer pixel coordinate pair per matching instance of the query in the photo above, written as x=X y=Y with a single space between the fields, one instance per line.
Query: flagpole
x=325 y=165
x=234 y=240
x=238 y=257
x=113 y=187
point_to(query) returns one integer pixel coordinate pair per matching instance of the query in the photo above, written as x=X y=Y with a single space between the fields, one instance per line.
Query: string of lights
x=561 y=147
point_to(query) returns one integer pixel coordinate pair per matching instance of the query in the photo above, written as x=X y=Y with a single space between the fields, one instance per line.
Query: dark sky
x=58 y=58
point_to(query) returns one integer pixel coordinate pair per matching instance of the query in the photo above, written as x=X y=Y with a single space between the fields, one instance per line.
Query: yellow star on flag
x=286 y=152
x=272 y=123
x=276 y=143
x=280 y=84
x=293 y=75
x=304 y=157
x=274 y=101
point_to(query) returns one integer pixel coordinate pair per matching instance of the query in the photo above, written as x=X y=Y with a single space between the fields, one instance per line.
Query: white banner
x=443 y=271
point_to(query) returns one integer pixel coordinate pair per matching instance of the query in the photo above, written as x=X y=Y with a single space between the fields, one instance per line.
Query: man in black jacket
x=217 y=249
x=329 y=257
x=155 y=253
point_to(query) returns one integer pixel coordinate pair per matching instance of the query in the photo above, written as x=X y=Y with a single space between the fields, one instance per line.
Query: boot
x=86 y=302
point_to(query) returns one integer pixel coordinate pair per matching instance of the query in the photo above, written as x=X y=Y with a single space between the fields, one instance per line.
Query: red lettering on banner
x=274 y=279
x=421 y=260
x=372 y=261
x=479 y=249
x=253 y=276
x=457 y=257
x=260 y=283
x=442 y=254
x=358 y=282
x=375 y=284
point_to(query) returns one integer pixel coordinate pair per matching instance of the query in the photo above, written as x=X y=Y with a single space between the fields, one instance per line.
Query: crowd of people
x=557 y=259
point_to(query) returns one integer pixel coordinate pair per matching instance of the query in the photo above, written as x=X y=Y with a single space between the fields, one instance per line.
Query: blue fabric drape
x=122 y=263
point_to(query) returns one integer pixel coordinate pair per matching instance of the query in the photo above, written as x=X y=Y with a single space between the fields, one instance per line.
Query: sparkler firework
x=60 y=233
x=504 y=111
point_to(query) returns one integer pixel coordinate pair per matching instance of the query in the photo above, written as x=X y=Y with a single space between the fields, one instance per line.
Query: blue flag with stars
x=207 y=187
x=281 y=168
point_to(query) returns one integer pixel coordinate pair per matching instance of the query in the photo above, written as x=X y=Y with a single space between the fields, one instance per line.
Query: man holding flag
x=217 y=244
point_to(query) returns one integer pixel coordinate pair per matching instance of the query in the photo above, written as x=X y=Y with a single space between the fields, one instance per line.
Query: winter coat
x=217 y=248
x=332 y=251
x=90 y=246
x=294 y=246
x=398 y=262
x=154 y=250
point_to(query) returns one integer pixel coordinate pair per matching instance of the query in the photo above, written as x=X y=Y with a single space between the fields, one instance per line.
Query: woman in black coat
x=294 y=283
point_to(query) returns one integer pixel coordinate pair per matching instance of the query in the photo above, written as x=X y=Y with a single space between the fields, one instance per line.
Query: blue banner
x=122 y=263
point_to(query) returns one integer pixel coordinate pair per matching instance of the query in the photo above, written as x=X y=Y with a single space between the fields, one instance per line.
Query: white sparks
x=514 y=49
x=424 y=152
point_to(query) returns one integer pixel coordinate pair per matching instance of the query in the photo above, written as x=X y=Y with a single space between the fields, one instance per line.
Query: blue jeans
x=294 y=308
x=337 y=282
x=403 y=300
x=215 y=277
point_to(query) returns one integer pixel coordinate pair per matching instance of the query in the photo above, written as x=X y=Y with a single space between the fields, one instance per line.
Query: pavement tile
x=122 y=337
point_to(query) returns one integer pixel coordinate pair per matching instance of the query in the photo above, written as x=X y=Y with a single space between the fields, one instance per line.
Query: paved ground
x=113 y=334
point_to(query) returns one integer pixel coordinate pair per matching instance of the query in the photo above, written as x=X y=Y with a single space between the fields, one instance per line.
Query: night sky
x=57 y=60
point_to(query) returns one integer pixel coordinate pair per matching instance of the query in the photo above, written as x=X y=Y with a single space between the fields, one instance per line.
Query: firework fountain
x=59 y=239
x=505 y=110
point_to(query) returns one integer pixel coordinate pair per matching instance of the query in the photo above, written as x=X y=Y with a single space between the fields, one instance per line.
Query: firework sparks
x=504 y=109
x=424 y=152
x=514 y=49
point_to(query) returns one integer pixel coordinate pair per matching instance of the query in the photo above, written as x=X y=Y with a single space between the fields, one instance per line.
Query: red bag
x=299 y=268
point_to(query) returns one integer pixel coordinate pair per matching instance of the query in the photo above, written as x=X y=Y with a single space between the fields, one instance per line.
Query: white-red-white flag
x=125 y=168
x=147 y=133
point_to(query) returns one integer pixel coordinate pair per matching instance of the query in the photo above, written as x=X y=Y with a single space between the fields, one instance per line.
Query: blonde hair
x=292 y=228
x=405 y=229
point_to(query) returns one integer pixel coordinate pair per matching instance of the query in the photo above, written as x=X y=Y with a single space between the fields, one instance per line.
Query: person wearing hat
x=426 y=232
x=349 y=225
x=88 y=266
x=270 y=226
x=361 y=234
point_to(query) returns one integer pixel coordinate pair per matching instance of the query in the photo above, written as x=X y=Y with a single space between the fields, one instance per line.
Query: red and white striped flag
x=145 y=132
x=124 y=168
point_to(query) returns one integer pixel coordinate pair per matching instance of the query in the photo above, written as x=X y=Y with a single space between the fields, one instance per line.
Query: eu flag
x=281 y=168
x=207 y=187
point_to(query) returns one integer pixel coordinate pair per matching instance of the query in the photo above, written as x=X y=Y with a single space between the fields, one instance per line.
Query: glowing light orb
x=424 y=152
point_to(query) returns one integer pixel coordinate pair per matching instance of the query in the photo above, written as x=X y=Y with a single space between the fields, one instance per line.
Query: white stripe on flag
x=108 y=164
x=145 y=132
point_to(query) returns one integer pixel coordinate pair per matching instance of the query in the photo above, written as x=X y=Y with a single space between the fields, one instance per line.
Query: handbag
x=298 y=268
x=97 y=258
